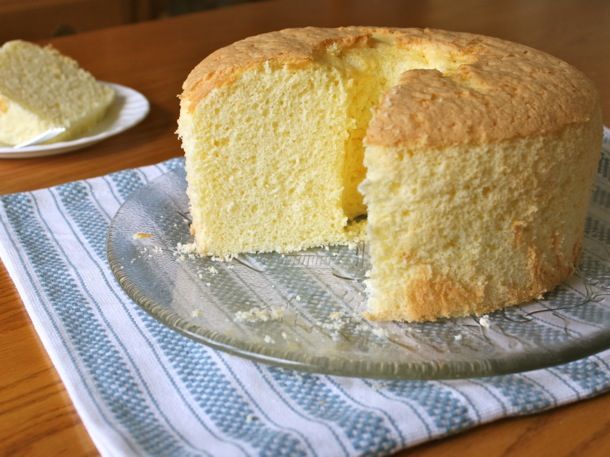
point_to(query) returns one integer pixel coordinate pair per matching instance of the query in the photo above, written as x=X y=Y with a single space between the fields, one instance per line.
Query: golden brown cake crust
x=504 y=91
x=290 y=46
x=507 y=91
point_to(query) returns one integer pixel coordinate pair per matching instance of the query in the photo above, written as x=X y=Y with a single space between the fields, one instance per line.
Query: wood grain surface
x=36 y=416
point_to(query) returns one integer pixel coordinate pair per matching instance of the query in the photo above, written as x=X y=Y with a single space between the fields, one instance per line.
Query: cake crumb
x=457 y=337
x=284 y=335
x=484 y=321
x=268 y=339
x=334 y=325
x=379 y=332
x=212 y=270
x=186 y=248
x=141 y=235
x=257 y=314
x=185 y=251
x=196 y=313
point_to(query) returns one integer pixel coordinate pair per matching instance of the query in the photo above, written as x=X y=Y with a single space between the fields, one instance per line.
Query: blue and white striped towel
x=142 y=389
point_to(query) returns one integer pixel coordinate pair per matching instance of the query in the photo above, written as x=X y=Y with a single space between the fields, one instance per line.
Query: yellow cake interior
x=305 y=124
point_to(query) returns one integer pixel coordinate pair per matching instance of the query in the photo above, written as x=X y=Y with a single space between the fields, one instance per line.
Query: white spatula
x=43 y=137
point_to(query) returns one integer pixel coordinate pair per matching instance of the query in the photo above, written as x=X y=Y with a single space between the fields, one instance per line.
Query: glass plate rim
x=421 y=370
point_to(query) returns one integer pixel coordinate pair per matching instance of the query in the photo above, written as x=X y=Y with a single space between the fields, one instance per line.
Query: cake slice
x=41 y=89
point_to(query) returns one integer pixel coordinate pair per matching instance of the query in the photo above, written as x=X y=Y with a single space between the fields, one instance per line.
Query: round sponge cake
x=471 y=157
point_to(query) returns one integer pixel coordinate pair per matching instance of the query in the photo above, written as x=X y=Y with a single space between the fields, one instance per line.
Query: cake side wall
x=470 y=229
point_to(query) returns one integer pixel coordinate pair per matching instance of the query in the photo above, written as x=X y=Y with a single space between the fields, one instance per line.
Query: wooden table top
x=36 y=415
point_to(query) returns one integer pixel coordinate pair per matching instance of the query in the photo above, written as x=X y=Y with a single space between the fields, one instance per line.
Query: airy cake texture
x=471 y=157
x=41 y=89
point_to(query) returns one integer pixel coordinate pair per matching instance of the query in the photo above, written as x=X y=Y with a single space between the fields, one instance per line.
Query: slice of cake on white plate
x=41 y=89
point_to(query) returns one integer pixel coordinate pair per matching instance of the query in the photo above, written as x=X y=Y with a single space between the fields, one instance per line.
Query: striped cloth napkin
x=143 y=389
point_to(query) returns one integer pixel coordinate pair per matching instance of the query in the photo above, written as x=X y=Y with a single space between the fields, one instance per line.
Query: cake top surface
x=485 y=90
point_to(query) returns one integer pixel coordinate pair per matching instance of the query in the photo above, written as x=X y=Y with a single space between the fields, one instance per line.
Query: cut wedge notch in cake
x=472 y=158
x=41 y=89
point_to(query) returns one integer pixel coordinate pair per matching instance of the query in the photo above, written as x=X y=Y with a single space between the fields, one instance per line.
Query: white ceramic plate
x=128 y=108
